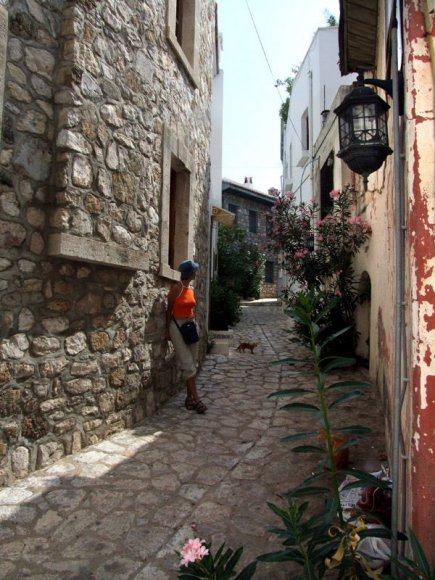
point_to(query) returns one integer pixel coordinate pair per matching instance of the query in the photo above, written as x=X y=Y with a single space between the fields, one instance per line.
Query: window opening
x=269 y=272
x=252 y=221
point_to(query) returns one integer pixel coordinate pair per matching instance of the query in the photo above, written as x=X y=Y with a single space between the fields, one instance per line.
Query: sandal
x=190 y=404
x=200 y=408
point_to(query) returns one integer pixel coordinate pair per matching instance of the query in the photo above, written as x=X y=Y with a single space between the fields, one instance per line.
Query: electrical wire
x=270 y=68
x=263 y=49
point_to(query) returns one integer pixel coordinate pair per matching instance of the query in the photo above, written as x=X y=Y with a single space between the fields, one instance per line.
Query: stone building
x=252 y=211
x=104 y=179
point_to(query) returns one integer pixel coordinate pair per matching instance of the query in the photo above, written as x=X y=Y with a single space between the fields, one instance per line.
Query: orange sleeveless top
x=184 y=304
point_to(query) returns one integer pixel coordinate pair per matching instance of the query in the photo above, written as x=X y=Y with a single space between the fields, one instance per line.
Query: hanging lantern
x=363 y=131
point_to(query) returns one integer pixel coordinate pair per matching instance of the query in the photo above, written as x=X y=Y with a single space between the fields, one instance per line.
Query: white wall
x=314 y=89
x=216 y=141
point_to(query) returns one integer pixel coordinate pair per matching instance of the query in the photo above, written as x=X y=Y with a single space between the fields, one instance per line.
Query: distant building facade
x=252 y=211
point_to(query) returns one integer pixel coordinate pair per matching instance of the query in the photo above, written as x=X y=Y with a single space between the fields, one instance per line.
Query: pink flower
x=337 y=292
x=334 y=194
x=301 y=253
x=290 y=194
x=192 y=551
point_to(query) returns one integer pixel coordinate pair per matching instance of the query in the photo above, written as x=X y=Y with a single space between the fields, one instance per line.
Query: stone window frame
x=184 y=37
x=177 y=204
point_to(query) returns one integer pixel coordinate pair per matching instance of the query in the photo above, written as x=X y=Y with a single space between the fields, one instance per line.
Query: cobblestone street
x=121 y=508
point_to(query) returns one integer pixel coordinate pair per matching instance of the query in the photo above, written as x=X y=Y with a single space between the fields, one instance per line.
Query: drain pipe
x=399 y=318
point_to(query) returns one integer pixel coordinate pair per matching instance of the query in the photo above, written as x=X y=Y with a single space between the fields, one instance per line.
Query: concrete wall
x=94 y=92
x=419 y=58
x=417 y=148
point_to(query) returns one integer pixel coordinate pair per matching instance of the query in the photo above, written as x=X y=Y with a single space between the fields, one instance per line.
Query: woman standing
x=181 y=309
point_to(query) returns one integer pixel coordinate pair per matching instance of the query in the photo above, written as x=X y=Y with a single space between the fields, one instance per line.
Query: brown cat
x=247 y=346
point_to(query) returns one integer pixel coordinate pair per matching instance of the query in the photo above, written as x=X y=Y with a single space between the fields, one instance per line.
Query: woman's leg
x=191 y=388
x=187 y=359
x=193 y=402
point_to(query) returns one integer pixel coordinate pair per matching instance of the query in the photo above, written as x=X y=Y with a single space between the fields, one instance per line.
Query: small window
x=269 y=225
x=269 y=272
x=176 y=231
x=235 y=210
x=182 y=32
x=305 y=130
x=252 y=221
x=178 y=213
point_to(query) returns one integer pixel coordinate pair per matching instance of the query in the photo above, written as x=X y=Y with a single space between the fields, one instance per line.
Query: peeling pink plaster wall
x=420 y=184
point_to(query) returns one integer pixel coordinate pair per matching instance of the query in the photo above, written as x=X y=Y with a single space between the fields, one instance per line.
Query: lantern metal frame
x=363 y=128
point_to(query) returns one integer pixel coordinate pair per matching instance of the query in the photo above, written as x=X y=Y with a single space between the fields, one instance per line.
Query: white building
x=313 y=91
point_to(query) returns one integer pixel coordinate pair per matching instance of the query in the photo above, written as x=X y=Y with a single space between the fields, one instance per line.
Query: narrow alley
x=123 y=507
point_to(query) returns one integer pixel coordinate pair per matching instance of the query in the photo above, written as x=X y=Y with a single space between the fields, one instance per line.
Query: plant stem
x=320 y=381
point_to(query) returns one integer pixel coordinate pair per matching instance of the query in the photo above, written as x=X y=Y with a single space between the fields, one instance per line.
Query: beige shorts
x=187 y=354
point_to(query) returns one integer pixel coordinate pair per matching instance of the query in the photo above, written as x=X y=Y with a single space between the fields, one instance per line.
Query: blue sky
x=251 y=124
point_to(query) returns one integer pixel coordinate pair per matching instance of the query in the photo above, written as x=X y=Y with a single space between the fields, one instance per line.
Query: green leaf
x=336 y=362
x=354 y=430
x=291 y=555
x=409 y=574
x=331 y=304
x=345 y=398
x=315 y=477
x=219 y=552
x=332 y=337
x=308 y=449
x=366 y=478
x=349 y=385
x=289 y=393
x=315 y=328
x=234 y=559
x=302 y=491
x=298 y=436
x=301 y=407
x=376 y=533
x=280 y=513
x=308 y=373
x=247 y=572
x=419 y=555
x=298 y=315
x=290 y=361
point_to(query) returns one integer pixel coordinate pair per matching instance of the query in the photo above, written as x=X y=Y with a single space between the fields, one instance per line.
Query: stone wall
x=89 y=87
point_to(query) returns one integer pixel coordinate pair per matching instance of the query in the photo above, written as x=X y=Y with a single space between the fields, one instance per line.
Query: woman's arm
x=172 y=295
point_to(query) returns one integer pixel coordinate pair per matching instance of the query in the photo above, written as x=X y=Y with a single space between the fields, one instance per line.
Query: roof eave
x=357 y=35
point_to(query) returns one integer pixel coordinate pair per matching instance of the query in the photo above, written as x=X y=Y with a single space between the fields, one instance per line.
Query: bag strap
x=176 y=323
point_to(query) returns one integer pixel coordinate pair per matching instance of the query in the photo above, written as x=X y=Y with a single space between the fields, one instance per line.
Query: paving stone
x=123 y=507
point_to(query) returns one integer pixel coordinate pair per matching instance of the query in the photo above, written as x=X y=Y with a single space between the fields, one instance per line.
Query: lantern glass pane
x=382 y=129
x=364 y=122
x=344 y=132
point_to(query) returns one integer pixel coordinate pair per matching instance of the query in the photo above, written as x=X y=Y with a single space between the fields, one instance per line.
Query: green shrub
x=224 y=306
x=240 y=263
